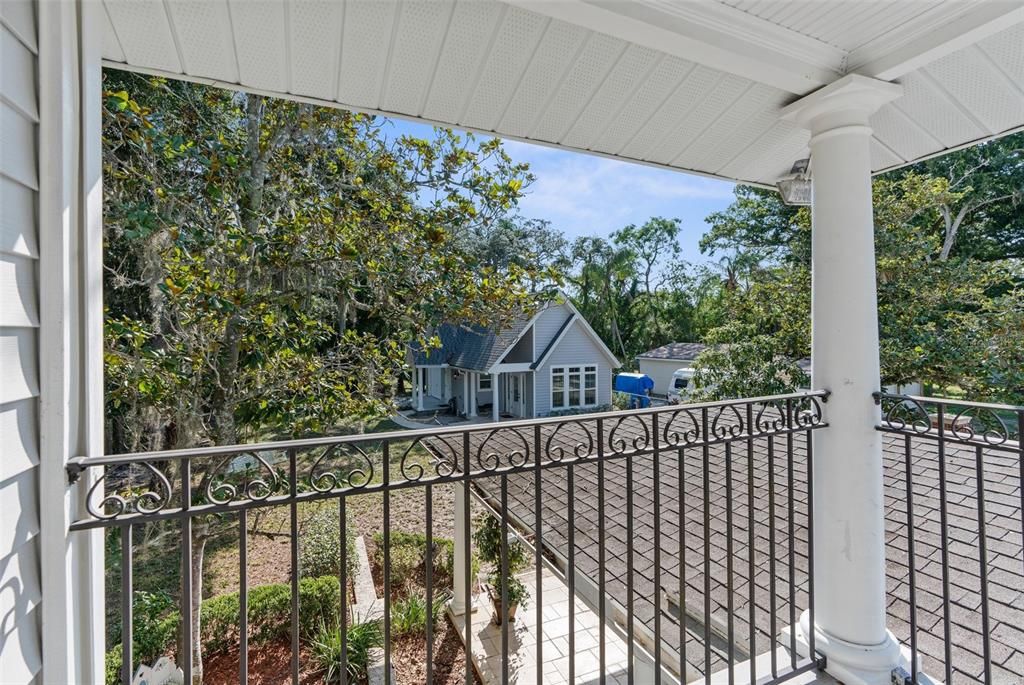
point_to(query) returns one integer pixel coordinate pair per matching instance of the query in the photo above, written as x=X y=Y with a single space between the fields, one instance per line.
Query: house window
x=483 y=381
x=573 y=386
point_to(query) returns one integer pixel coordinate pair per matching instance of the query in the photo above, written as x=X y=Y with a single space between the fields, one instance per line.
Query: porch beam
x=848 y=504
x=712 y=34
x=942 y=37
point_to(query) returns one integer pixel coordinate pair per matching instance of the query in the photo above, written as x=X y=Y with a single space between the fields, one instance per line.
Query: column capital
x=849 y=101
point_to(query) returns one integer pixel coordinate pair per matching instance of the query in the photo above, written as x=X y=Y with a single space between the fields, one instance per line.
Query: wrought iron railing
x=689 y=525
x=955 y=495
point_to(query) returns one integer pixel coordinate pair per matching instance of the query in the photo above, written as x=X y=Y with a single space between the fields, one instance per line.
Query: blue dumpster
x=638 y=386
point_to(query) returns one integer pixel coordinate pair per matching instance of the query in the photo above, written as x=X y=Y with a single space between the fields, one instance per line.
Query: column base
x=851 y=663
x=460 y=609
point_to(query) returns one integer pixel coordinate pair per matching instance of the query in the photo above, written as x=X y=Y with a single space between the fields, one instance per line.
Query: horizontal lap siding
x=575 y=348
x=20 y=649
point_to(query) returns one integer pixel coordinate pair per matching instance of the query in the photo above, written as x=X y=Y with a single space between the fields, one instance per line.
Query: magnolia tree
x=267 y=264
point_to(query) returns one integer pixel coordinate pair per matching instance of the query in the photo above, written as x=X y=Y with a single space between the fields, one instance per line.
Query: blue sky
x=588 y=195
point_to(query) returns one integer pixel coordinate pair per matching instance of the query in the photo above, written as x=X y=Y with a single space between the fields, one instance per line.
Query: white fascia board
x=511 y=368
x=712 y=34
x=906 y=51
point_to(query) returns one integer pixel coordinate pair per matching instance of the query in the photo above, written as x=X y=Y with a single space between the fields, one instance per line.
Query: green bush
x=409 y=614
x=361 y=637
x=154 y=627
x=269 y=612
x=408 y=553
x=320 y=546
x=487 y=537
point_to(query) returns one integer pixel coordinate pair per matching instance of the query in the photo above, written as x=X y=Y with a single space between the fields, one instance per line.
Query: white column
x=420 y=378
x=472 y=394
x=458 y=604
x=465 y=392
x=849 y=530
x=494 y=397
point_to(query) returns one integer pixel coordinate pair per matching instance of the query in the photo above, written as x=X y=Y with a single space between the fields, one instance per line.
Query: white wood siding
x=576 y=348
x=547 y=325
x=20 y=648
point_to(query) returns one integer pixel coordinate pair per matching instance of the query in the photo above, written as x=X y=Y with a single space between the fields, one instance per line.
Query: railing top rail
x=80 y=463
x=946 y=401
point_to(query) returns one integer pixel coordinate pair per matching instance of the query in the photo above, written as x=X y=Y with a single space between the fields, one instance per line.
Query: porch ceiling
x=689 y=85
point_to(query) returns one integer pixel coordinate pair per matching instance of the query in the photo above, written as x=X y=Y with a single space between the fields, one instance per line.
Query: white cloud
x=589 y=194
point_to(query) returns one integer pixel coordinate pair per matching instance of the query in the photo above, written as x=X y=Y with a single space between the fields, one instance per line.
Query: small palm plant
x=488 y=542
x=362 y=638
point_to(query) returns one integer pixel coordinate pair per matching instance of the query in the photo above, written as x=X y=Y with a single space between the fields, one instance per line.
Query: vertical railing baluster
x=505 y=581
x=386 y=505
x=343 y=588
x=790 y=494
x=706 y=454
x=293 y=491
x=127 y=626
x=773 y=618
x=630 y=652
x=429 y=578
x=657 y=549
x=243 y=596
x=601 y=599
x=1020 y=466
x=750 y=542
x=570 y=487
x=538 y=548
x=186 y=570
x=812 y=632
x=986 y=637
x=944 y=552
x=681 y=503
x=911 y=558
x=467 y=561
x=730 y=616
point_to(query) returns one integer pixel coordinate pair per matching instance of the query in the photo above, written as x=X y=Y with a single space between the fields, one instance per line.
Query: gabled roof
x=477 y=348
x=471 y=346
x=677 y=351
x=689 y=351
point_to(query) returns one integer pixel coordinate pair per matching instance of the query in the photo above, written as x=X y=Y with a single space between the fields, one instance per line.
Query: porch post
x=465 y=392
x=495 y=397
x=849 y=530
x=420 y=375
x=472 y=394
x=458 y=603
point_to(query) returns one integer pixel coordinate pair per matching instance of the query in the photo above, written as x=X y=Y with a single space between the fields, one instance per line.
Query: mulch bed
x=269 y=664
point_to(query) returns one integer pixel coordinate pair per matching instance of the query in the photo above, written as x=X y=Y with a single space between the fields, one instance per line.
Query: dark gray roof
x=679 y=351
x=469 y=346
x=1005 y=574
x=688 y=352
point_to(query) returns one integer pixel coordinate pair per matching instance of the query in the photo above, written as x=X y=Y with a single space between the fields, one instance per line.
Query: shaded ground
x=268 y=665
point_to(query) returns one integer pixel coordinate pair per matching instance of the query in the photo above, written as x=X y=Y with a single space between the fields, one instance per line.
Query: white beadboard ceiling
x=685 y=84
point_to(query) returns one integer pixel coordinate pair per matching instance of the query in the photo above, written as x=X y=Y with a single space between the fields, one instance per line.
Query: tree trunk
x=200 y=534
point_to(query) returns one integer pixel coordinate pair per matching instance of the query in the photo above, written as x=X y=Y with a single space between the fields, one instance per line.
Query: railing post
x=459 y=580
x=848 y=505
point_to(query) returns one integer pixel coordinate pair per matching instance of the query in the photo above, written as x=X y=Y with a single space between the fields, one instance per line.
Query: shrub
x=410 y=548
x=320 y=546
x=361 y=638
x=154 y=627
x=409 y=614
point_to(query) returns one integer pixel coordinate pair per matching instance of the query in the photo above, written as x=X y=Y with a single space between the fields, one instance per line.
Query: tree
x=953 y=321
x=981 y=216
x=268 y=262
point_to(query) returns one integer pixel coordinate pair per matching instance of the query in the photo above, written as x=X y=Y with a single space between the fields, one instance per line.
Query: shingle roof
x=1003 y=534
x=468 y=346
x=689 y=351
x=680 y=351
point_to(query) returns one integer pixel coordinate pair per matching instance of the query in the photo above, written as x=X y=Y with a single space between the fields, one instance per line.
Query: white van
x=679 y=388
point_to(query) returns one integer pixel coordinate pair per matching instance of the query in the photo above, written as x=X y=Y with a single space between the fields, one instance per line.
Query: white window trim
x=480 y=382
x=583 y=386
